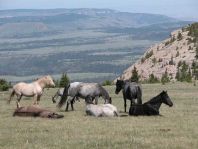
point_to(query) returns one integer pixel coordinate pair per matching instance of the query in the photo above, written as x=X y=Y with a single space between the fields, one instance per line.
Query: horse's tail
x=139 y=95
x=64 y=96
x=11 y=96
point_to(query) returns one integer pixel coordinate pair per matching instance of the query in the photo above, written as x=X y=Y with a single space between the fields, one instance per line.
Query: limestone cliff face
x=164 y=56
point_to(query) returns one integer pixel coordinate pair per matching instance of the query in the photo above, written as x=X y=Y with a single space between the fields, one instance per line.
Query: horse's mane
x=155 y=99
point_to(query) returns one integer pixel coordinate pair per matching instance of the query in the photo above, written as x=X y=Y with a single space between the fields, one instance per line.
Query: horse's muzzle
x=116 y=92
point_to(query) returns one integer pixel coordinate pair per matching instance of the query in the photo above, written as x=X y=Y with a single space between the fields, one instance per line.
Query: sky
x=183 y=9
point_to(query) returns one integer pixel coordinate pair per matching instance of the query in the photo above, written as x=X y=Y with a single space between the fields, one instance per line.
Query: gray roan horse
x=34 y=89
x=130 y=90
x=84 y=90
x=59 y=93
x=152 y=106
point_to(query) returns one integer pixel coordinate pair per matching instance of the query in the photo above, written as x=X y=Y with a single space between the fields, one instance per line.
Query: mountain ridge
x=166 y=57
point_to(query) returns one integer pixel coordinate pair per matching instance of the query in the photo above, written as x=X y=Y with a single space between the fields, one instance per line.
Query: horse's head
x=53 y=99
x=119 y=86
x=108 y=100
x=166 y=99
x=88 y=100
x=49 y=81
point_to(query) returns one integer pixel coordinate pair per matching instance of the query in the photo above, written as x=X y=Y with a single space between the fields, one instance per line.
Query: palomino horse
x=152 y=106
x=84 y=90
x=34 y=89
x=102 y=110
x=130 y=90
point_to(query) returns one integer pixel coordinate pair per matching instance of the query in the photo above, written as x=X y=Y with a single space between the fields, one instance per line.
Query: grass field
x=177 y=128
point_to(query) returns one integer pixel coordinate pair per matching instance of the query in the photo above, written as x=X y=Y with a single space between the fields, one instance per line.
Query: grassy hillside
x=177 y=128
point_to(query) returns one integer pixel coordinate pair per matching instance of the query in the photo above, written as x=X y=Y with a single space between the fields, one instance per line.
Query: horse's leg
x=125 y=105
x=72 y=103
x=54 y=97
x=11 y=96
x=96 y=100
x=18 y=100
x=38 y=99
x=35 y=100
x=67 y=105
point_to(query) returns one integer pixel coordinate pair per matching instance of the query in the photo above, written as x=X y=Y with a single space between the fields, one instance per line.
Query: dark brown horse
x=35 y=111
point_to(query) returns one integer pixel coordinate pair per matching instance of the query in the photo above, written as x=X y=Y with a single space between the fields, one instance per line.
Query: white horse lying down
x=102 y=110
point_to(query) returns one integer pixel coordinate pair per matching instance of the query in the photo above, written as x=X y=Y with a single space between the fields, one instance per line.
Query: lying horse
x=83 y=90
x=103 y=110
x=36 y=111
x=34 y=89
x=152 y=106
x=130 y=90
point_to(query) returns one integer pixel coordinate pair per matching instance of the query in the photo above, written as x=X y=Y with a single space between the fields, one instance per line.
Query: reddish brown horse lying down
x=36 y=111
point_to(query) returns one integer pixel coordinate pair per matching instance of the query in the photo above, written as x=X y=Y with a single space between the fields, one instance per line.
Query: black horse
x=131 y=91
x=152 y=106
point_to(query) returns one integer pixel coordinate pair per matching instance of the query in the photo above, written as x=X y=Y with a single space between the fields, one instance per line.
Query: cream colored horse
x=103 y=110
x=34 y=89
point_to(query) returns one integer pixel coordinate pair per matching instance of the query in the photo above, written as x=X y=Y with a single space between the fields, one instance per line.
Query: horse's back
x=89 y=89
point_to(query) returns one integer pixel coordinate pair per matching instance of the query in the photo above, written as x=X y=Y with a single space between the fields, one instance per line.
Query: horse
x=34 y=89
x=59 y=93
x=130 y=90
x=35 y=111
x=152 y=106
x=83 y=90
x=103 y=110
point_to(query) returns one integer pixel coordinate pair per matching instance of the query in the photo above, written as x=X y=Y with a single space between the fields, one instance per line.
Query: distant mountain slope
x=168 y=55
x=77 y=41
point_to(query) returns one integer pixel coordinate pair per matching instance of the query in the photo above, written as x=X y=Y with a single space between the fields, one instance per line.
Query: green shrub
x=107 y=83
x=149 y=54
x=4 y=85
x=152 y=79
x=165 y=78
x=135 y=77
x=64 y=80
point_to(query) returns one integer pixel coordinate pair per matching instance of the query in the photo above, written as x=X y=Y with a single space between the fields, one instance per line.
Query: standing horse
x=83 y=90
x=34 y=89
x=130 y=90
x=59 y=93
x=152 y=106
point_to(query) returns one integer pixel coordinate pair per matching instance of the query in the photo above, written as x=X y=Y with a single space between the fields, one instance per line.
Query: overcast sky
x=186 y=9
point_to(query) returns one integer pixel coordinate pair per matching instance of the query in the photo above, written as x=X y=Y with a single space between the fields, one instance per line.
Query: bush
x=4 y=85
x=165 y=78
x=149 y=54
x=152 y=79
x=64 y=80
x=107 y=83
x=135 y=77
x=179 y=36
x=183 y=72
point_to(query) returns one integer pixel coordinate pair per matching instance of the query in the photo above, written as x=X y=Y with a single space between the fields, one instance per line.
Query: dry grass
x=177 y=128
